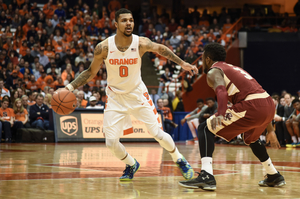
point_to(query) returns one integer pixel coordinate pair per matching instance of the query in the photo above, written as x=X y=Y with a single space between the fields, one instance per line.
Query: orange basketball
x=63 y=102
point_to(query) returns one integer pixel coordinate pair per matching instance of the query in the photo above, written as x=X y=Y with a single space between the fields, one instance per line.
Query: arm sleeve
x=222 y=96
x=196 y=115
x=203 y=111
x=298 y=117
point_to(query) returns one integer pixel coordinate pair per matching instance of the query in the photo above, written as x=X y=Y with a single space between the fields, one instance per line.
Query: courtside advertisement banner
x=88 y=126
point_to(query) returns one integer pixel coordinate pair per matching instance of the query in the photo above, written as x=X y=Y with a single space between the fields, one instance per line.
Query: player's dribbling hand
x=193 y=70
x=216 y=121
x=272 y=139
x=60 y=89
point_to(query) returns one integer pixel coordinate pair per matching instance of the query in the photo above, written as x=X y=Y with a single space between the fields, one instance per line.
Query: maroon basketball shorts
x=250 y=117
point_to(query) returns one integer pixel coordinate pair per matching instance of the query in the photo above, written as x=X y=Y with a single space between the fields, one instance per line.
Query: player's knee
x=295 y=123
x=110 y=143
x=159 y=135
x=201 y=129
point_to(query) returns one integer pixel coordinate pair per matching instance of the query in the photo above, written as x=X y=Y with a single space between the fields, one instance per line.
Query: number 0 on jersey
x=123 y=71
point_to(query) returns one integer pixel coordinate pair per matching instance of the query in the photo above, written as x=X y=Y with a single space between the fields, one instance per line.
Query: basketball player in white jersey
x=127 y=94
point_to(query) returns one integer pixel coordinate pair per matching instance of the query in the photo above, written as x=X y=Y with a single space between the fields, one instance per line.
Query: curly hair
x=122 y=11
x=215 y=52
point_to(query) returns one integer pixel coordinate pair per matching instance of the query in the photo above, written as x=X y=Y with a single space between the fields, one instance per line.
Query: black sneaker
x=204 y=181
x=275 y=180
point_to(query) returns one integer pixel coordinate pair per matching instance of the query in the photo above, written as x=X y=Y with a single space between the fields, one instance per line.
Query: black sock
x=206 y=141
x=259 y=151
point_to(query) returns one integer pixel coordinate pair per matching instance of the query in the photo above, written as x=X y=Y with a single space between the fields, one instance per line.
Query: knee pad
x=259 y=150
x=159 y=135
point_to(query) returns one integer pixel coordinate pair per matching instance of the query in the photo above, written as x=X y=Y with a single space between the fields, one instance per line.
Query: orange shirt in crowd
x=5 y=46
x=49 y=12
x=112 y=15
x=212 y=36
x=20 y=75
x=84 y=103
x=37 y=29
x=114 y=5
x=20 y=2
x=17 y=45
x=40 y=81
x=65 y=74
x=65 y=43
x=49 y=54
x=91 y=83
x=167 y=113
x=4 y=6
x=195 y=49
x=69 y=37
x=26 y=81
x=50 y=85
x=226 y=27
x=32 y=86
x=198 y=42
x=74 y=20
x=31 y=103
x=58 y=48
x=203 y=23
x=22 y=12
x=7 y=113
x=22 y=50
x=25 y=28
x=21 y=116
x=98 y=24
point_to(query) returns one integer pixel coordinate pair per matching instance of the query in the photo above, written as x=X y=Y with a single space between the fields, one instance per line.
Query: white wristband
x=70 y=87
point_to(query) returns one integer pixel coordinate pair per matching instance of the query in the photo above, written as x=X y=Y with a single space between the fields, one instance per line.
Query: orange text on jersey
x=130 y=61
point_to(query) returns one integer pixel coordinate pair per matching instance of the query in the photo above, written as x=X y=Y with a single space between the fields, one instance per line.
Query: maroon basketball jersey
x=239 y=83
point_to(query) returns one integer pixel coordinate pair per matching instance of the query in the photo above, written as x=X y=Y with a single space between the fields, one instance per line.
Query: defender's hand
x=216 y=121
x=182 y=121
x=277 y=118
x=271 y=137
x=193 y=70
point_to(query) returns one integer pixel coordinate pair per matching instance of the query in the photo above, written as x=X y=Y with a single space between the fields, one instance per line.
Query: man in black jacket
x=212 y=108
x=279 y=130
x=39 y=114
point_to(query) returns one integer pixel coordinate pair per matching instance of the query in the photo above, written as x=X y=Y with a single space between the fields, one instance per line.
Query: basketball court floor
x=88 y=170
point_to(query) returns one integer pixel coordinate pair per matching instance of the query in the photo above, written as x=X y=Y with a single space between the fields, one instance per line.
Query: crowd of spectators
x=45 y=48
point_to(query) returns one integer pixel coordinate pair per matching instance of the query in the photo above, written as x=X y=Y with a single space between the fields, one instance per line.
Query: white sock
x=294 y=139
x=176 y=155
x=298 y=139
x=263 y=138
x=206 y=164
x=129 y=160
x=239 y=137
x=268 y=165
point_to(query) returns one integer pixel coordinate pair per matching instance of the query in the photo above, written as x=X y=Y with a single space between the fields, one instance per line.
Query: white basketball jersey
x=123 y=68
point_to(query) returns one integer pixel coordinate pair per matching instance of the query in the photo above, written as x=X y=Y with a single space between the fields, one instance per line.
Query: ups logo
x=69 y=125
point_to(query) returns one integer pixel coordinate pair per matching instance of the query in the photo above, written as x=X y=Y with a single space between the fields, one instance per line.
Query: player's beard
x=205 y=69
x=127 y=35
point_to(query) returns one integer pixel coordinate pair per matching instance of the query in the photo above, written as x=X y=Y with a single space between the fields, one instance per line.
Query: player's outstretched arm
x=216 y=80
x=87 y=75
x=271 y=137
x=147 y=45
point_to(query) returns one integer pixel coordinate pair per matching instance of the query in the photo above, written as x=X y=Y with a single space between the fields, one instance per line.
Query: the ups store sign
x=87 y=125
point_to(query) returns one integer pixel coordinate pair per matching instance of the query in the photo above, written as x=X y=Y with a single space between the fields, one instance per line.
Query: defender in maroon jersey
x=252 y=112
